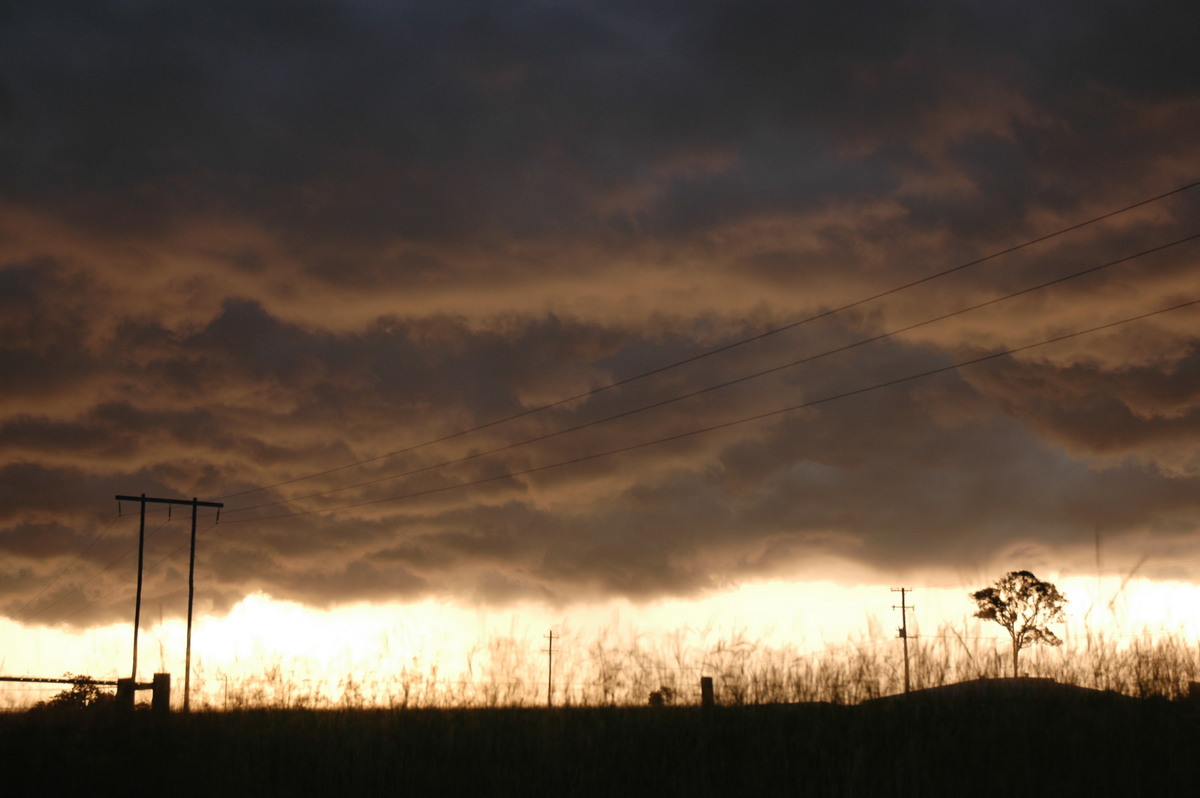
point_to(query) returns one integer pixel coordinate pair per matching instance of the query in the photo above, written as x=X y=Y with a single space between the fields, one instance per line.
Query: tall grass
x=508 y=672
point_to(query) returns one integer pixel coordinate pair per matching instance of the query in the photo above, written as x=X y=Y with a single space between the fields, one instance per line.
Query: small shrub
x=83 y=693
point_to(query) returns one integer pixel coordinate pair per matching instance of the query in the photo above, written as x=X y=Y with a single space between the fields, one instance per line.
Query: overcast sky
x=244 y=243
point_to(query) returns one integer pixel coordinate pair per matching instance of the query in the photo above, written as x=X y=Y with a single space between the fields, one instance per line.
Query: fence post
x=160 y=695
x=706 y=692
x=126 y=689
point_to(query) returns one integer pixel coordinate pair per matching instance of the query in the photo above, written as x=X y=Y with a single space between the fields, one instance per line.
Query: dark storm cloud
x=246 y=243
x=430 y=122
x=1152 y=412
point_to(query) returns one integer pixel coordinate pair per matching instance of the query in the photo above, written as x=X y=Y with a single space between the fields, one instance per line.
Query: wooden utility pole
x=903 y=630
x=137 y=607
x=550 y=670
x=137 y=612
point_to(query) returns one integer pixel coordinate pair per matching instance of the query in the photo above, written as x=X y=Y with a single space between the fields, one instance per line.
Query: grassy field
x=1002 y=742
x=1101 y=719
x=509 y=674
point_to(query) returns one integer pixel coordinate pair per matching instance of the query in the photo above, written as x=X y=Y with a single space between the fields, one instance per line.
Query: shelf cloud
x=437 y=298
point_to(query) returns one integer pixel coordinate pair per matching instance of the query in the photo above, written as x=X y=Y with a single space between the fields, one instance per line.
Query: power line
x=101 y=597
x=86 y=549
x=79 y=587
x=727 y=383
x=725 y=347
x=636 y=377
x=739 y=421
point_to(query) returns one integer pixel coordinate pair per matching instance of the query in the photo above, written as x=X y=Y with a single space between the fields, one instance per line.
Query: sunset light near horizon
x=665 y=330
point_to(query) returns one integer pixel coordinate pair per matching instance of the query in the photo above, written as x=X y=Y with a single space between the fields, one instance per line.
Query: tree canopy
x=83 y=693
x=1024 y=605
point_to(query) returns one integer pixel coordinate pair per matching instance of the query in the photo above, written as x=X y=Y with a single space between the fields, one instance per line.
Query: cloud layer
x=242 y=245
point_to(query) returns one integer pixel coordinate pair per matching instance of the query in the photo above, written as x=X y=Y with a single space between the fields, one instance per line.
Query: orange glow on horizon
x=322 y=650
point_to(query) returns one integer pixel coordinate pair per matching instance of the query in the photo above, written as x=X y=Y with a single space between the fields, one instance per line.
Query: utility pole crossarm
x=149 y=500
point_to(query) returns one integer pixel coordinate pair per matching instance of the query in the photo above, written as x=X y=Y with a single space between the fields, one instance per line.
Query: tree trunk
x=1016 y=651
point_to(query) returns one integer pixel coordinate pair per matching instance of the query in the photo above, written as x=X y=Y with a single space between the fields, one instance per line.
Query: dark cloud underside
x=242 y=244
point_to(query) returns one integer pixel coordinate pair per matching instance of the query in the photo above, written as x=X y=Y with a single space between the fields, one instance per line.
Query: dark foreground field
x=964 y=742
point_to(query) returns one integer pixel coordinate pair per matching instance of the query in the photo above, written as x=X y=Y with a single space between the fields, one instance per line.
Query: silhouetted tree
x=82 y=693
x=1022 y=604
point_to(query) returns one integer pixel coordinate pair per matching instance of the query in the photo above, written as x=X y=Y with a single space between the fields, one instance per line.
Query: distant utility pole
x=137 y=611
x=550 y=669
x=903 y=630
